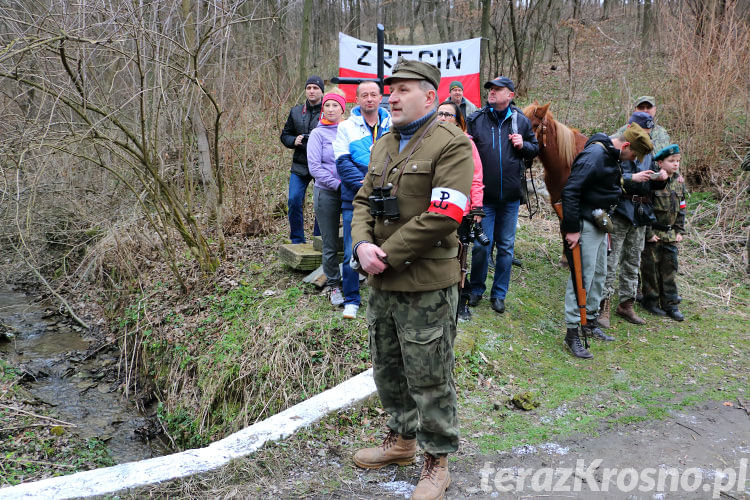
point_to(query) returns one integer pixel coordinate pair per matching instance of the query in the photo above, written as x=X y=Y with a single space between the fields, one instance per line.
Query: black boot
x=464 y=314
x=652 y=306
x=675 y=314
x=573 y=341
x=592 y=329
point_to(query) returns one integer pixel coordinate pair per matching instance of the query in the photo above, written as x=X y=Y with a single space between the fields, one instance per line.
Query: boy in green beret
x=659 y=262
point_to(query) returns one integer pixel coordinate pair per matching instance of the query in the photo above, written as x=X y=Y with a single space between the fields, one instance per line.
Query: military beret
x=643 y=119
x=670 y=150
x=407 y=69
x=644 y=98
x=500 y=81
x=639 y=140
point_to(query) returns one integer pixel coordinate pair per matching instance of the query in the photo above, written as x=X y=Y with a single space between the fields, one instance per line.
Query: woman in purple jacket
x=327 y=190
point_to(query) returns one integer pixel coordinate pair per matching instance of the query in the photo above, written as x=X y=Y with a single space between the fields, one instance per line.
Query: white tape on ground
x=186 y=463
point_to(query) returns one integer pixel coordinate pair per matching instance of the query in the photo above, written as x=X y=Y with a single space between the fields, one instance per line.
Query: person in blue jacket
x=504 y=138
x=354 y=139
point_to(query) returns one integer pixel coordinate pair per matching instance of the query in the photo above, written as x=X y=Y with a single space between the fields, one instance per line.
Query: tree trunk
x=304 y=43
x=485 y=44
x=649 y=24
x=412 y=25
x=354 y=9
x=439 y=19
x=517 y=51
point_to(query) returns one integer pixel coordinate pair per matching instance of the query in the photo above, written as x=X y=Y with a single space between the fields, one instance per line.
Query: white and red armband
x=448 y=202
x=682 y=204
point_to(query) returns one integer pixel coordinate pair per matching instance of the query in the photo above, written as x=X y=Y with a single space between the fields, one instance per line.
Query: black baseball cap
x=501 y=81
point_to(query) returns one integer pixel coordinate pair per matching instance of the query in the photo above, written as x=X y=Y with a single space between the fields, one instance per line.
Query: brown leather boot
x=434 y=480
x=394 y=450
x=604 y=314
x=625 y=310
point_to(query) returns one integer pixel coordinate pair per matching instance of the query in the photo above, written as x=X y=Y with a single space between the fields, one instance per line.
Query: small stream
x=79 y=385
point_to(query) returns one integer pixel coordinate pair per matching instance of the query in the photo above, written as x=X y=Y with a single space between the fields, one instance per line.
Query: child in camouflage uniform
x=659 y=261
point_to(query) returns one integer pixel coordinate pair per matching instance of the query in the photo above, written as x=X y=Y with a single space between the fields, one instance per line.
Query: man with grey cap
x=405 y=220
x=659 y=135
x=593 y=188
x=504 y=139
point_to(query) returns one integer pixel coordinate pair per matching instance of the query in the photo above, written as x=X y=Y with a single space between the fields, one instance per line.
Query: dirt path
x=694 y=454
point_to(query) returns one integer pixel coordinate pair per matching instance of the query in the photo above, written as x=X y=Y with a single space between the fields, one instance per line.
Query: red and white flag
x=456 y=61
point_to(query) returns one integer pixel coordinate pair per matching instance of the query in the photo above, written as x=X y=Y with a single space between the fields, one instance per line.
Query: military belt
x=637 y=199
x=661 y=227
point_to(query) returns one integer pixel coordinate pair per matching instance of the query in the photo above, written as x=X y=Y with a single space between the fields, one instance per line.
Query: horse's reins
x=540 y=132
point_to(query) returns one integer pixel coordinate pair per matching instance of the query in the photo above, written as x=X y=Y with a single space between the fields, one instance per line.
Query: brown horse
x=558 y=147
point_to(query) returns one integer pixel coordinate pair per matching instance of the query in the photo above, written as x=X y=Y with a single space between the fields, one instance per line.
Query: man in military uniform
x=629 y=220
x=659 y=135
x=405 y=220
x=659 y=267
x=594 y=183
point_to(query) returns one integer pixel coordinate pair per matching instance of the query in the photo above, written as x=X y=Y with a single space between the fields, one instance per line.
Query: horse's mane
x=566 y=137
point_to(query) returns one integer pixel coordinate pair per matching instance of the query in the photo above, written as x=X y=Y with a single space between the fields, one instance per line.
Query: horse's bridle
x=541 y=131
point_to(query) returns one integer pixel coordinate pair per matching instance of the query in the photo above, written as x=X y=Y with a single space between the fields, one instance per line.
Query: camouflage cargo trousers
x=627 y=245
x=659 y=274
x=411 y=344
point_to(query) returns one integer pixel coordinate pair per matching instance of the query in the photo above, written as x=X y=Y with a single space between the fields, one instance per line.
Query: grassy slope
x=649 y=369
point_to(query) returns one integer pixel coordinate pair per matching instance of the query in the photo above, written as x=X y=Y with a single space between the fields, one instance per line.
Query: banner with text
x=456 y=61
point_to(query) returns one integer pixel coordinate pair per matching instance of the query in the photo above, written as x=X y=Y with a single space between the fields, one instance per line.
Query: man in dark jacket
x=504 y=138
x=633 y=213
x=594 y=183
x=302 y=119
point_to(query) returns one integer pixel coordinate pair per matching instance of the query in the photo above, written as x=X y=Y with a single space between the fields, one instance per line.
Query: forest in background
x=139 y=140
x=139 y=129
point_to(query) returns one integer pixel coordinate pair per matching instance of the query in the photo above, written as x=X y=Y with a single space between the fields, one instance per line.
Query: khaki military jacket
x=669 y=209
x=421 y=246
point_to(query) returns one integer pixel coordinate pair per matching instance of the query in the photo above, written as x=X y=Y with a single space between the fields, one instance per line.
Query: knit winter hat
x=335 y=97
x=316 y=80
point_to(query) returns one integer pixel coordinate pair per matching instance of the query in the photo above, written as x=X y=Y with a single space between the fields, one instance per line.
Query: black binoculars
x=382 y=204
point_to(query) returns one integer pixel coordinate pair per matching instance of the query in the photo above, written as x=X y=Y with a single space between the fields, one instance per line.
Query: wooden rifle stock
x=576 y=269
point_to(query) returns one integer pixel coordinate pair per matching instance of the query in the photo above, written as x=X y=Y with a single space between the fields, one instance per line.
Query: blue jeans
x=499 y=225
x=295 y=204
x=350 y=283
